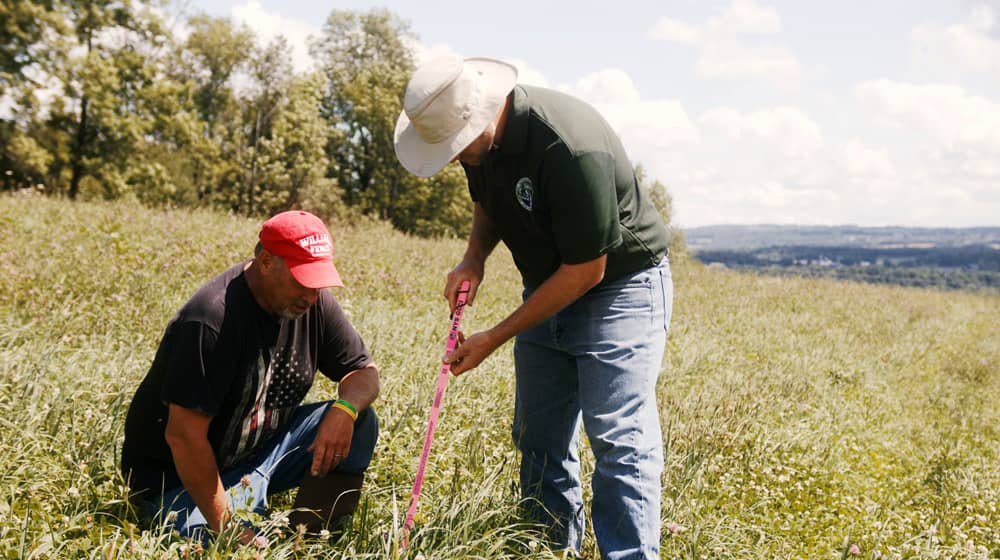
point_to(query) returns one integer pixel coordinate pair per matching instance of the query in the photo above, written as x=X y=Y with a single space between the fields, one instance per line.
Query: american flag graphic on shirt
x=280 y=385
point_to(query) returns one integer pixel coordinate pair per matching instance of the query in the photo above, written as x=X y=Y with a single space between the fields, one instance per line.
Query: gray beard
x=287 y=314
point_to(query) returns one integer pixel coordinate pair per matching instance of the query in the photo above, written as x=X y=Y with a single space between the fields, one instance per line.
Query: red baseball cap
x=304 y=242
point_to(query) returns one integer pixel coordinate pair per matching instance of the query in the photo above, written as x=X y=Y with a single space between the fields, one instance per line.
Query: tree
x=664 y=204
x=24 y=26
x=436 y=207
x=367 y=65
x=24 y=54
x=270 y=75
x=213 y=53
x=99 y=120
x=292 y=158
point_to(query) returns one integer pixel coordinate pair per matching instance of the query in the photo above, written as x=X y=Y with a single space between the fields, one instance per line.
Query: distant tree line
x=973 y=267
x=918 y=277
x=110 y=99
x=746 y=237
x=969 y=258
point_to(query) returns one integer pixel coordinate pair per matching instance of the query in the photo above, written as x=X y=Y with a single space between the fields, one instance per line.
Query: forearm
x=360 y=387
x=196 y=467
x=568 y=283
x=565 y=286
x=332 y=444
x=483 y=238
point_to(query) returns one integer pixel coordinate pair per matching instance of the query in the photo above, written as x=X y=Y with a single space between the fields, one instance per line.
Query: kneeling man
x=217 y=424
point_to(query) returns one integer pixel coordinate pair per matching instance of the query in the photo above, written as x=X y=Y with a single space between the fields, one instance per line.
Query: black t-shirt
x=225 y=356
x=560 y=189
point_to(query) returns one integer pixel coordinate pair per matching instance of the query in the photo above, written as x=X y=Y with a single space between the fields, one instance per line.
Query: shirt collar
x=515 y=133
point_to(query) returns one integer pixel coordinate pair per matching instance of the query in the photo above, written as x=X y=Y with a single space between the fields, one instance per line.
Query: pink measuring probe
x=442 y=384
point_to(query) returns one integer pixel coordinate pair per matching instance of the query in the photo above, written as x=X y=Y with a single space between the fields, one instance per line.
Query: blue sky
x=750 y=111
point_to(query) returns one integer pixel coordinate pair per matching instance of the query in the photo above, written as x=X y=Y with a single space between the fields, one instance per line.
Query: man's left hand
x=333 y=441
x=470 y=352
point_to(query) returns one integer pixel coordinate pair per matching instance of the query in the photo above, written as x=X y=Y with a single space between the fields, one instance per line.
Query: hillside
x=800 y=416
x=944 y=258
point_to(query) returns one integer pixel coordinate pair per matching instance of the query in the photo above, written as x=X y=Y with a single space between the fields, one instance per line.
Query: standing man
x=216 y=425
x=550 y=179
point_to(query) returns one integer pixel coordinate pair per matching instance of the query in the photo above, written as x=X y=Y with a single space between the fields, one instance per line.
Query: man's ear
x=266 y=261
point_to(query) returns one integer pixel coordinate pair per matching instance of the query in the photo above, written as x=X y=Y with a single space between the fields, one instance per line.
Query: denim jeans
x=278 y=466
x=598 y=359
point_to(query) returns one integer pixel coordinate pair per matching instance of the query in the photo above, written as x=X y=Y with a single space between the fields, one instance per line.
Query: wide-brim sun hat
x=448 y=103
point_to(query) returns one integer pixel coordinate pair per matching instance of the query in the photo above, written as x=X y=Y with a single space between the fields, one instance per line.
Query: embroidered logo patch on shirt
x=524 y=193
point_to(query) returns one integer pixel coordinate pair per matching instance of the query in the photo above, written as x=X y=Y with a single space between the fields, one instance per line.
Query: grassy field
x=802 y=419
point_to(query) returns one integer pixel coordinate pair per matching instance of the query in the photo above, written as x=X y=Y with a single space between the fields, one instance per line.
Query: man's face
x=474 y=153
x=288 y=298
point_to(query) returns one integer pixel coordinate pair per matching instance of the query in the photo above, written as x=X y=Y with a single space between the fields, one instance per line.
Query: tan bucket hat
x=448 y=103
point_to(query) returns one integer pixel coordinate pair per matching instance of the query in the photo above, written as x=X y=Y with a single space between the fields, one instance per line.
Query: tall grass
x=800 y=417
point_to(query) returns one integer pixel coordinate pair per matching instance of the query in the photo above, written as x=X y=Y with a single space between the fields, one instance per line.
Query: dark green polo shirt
x=560 y=189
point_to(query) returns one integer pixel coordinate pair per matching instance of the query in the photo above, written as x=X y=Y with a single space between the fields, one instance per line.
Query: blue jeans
x=599 y=359
x=277 y=467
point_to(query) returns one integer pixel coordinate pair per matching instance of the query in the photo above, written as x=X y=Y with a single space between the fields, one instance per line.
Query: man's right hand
x=333 y=441
x=470 y=269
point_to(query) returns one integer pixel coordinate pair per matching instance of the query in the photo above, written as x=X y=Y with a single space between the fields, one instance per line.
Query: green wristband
x=347 y=404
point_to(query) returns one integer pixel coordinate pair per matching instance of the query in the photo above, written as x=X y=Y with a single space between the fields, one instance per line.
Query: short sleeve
x=188 y=381
x=341 y=349
x=583 y=202
x=474 y=179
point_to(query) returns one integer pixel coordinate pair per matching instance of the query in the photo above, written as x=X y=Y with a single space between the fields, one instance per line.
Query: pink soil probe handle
x=442 y=384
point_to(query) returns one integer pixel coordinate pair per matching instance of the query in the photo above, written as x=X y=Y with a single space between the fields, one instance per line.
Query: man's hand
x=333 y=437
x=471 y=351
x=247 y=535
x=469 y=269
x=333 y=441
x=569 y=282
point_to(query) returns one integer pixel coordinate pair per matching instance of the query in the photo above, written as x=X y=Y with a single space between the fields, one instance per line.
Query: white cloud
x=728 y=60
x=784 y=130
x=968 y=45
x=984 y=16
x=607 y=87
x=945 y=173
x=423 y=53
x=647 y=127
x=722 y=52
x=747 y=17
x=666 y=29
x=267 y=26
x=528 y=75
x=953 y=118
x=863 y=161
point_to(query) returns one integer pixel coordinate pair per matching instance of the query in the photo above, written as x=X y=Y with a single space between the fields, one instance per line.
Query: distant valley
x=946 y=258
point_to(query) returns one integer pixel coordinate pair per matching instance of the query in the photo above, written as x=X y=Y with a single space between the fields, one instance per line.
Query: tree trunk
x=76 y=157
x=253 y=165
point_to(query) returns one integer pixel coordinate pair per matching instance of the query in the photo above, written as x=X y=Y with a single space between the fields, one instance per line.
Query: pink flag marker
x=442 y=384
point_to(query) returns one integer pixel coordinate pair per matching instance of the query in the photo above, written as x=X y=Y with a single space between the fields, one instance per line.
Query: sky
x=749 y=111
